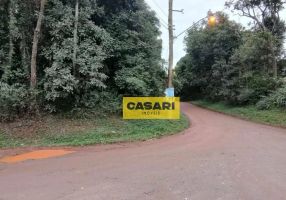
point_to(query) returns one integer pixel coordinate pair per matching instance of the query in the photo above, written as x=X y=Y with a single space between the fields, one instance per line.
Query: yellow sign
x=151 y=108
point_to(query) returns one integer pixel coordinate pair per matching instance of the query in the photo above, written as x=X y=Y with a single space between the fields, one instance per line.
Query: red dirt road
x=218 y=158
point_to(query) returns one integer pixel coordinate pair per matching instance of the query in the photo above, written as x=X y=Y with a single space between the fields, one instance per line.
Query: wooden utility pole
x=171 y=45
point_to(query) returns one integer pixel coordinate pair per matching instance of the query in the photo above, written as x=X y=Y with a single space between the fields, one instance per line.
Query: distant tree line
x=66 y=55
x=228 y=63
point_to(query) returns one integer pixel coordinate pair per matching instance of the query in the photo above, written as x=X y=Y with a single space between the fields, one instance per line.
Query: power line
x=162 y=20
x=164 y=25
x=194 y=24
x=157 y=5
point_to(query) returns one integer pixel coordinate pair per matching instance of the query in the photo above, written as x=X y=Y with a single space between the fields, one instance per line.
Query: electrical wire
x=162 y=20
x=166 y=27
x=160 y=8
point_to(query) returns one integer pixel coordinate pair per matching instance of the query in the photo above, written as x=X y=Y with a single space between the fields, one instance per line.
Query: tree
x=184 y=79
x=75 y=39
x=15 y=41
x=227 y=63
x=78 y=53
x=135 y=66
x=208 y=48
x=4 y=36
x=264 y=13
x=266 y=17
x=11 y=31
x=68 y=79
x=35 y=45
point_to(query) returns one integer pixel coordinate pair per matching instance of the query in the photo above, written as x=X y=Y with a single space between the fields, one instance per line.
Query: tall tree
x=11 y=27
x=266 y=17
x=75 y=36
x=63 y=82
x=209 y=51
x=135 y=67
x=4 y=35
x=36 y=37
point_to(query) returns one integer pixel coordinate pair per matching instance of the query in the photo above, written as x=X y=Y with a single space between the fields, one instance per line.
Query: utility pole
x=171 y=45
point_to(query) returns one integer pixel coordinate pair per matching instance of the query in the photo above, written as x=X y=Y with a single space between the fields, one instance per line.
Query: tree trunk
x=75 y=38
x=274 y=61
x=36 y=37
x=11 y=25
x=24 y=57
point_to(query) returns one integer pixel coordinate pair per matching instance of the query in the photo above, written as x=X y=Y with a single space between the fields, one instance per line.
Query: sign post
x=170 y=92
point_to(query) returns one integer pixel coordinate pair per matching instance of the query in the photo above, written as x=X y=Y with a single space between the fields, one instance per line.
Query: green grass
x=53 y=132
x=273 y=117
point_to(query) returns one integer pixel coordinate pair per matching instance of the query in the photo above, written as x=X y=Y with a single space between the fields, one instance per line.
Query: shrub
x=16 y=101
x=102 y=101
x=264 y=104
x=276 y=99
x=95 y=104
x=255 y=88
x=246 y=96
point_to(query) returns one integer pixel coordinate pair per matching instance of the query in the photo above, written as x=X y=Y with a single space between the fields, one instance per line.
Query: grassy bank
x=274 y=117
x=56 y=131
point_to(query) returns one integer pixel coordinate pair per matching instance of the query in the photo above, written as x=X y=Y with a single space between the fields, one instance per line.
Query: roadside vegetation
x=62 y=58
x=68 y=57
x=274 y=116
x=87 y=55
x=243 y=67
x=66 y=131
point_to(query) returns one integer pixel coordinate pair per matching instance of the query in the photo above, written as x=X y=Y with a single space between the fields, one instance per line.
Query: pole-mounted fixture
x=212 y=21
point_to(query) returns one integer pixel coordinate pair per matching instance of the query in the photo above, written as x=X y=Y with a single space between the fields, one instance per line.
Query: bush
x=103 y=101
x=96 y=104
x=276 y=99
x=16 y=101
x=255 y=88
x=264 y=104
x=246 y=96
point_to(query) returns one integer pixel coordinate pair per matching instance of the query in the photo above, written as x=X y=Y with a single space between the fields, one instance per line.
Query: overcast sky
x=194 y=10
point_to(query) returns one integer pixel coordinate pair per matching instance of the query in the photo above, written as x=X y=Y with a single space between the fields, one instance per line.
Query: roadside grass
x=55 y=131
x=274 y=117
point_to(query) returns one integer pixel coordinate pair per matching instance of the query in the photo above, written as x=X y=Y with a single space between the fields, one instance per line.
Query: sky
x=194 y=10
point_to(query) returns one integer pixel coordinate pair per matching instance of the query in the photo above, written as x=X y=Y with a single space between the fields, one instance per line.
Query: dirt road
x=218 y=158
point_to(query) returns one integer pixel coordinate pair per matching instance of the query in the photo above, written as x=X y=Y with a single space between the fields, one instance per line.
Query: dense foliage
x=89 y=53
x=228 y=63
